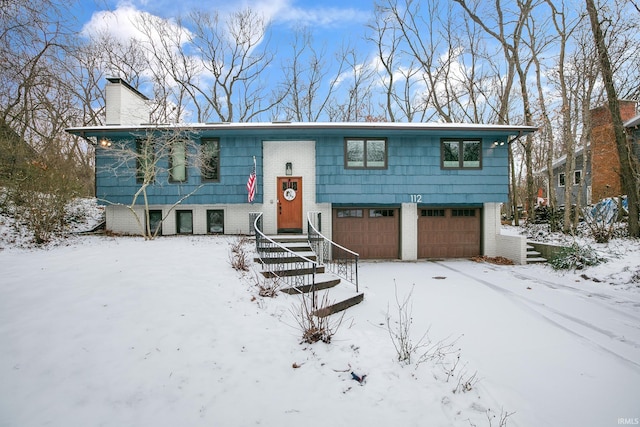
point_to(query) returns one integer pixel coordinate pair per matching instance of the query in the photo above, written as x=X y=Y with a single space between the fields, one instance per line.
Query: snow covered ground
x=118 y=331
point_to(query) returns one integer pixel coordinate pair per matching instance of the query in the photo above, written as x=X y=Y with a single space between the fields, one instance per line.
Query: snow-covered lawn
x=105 y=331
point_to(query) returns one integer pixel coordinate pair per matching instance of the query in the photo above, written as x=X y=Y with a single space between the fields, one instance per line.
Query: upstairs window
x=145 y=161
x=178 y=162
x=210 y=168
x=365 y=153
x=461 y=154
x=577 y=178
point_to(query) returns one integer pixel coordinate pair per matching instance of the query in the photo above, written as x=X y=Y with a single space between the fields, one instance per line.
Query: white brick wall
x=302 y=155
x=236 y=218
x=496 y=244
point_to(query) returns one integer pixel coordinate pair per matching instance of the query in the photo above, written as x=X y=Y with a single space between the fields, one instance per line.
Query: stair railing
x=279 y=262
x=339 y=260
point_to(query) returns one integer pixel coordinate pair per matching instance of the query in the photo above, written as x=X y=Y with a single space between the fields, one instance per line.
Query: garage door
x=372 y=232
x=448 y=232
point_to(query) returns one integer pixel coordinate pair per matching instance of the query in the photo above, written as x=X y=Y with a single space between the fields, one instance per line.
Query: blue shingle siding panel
x=413 y=159
x=236 y=154
x=413 y=169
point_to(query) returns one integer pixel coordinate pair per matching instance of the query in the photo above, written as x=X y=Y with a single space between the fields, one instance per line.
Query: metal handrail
x=277 y=259
x=339 y=260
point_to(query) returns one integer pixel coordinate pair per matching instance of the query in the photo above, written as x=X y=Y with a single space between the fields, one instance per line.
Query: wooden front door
x=289 y=204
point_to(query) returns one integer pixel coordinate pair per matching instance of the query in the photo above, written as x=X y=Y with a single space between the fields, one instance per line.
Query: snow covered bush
x=576 y=257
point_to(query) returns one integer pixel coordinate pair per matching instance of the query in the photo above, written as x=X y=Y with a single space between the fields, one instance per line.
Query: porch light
x=105 y=142
x=288 y=169
x=497 y=142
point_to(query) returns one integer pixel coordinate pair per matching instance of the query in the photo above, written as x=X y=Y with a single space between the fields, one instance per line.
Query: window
x=377 y=213
x=215 y=221
x=365 y=153
x=461 y=154
x=432 y=212
x=155 y=222
x=211 y=160
x=349 y=213
x=184 y=222
x=178 y=162
x=463 y=212
x=145 y=161
x=577 y=177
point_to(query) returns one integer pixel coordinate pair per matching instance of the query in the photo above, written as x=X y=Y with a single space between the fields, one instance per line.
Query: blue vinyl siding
x=236 y=154
x=413 y=169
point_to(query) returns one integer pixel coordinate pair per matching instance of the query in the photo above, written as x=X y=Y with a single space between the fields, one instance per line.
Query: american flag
x=251 y=182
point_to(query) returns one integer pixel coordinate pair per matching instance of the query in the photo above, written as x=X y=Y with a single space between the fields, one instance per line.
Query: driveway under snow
x=122 y=332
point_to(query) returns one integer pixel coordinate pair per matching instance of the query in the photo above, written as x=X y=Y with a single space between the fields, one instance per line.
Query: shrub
x=238 y=258
x=575 y=257
x=315 y=327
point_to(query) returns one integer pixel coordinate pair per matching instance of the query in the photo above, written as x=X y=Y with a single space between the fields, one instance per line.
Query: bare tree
x=159 y=156
x=352 y=102
x=508 y=31
x=234 y=52
x=537 y=42
x=308 y=89
x=625 y=152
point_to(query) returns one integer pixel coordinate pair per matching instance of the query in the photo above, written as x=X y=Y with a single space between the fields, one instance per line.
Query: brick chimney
x=605 y=163
x=124 y=105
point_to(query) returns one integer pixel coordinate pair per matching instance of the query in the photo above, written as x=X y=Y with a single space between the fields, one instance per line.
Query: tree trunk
x=629 y=183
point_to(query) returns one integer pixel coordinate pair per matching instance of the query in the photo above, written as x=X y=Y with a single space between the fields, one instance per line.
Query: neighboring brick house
x=633 y=132
x=605 y=163
x=602 y=179
x=385 y=190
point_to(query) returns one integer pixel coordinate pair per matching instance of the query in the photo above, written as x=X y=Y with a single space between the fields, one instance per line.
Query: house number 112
x=416 y=198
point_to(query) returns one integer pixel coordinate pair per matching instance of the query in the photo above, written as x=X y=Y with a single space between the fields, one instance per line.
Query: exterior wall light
x=105 y=142
x=288 y=169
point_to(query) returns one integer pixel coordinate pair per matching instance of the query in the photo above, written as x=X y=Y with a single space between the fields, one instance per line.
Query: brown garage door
x=448 y=232
x=372 y=232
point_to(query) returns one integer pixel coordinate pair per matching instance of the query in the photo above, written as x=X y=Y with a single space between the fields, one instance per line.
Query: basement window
x=155 y=222
x=184 y=222
x=215 y=221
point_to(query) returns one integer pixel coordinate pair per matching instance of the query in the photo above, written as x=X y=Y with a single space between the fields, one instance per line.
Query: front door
x=289 y=204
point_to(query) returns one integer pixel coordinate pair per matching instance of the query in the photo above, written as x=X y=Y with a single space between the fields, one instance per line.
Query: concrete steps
x=327 y=285
x=533 y=256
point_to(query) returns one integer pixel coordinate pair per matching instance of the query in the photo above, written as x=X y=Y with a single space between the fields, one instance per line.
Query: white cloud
x=123 y=23
x=287 y=12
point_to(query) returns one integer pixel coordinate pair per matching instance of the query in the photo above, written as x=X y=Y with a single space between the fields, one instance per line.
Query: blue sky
x=331 y=20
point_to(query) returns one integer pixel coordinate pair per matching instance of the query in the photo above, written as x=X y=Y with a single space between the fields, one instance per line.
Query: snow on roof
x=312 y=125
x=561 y=160
x=632 y=123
